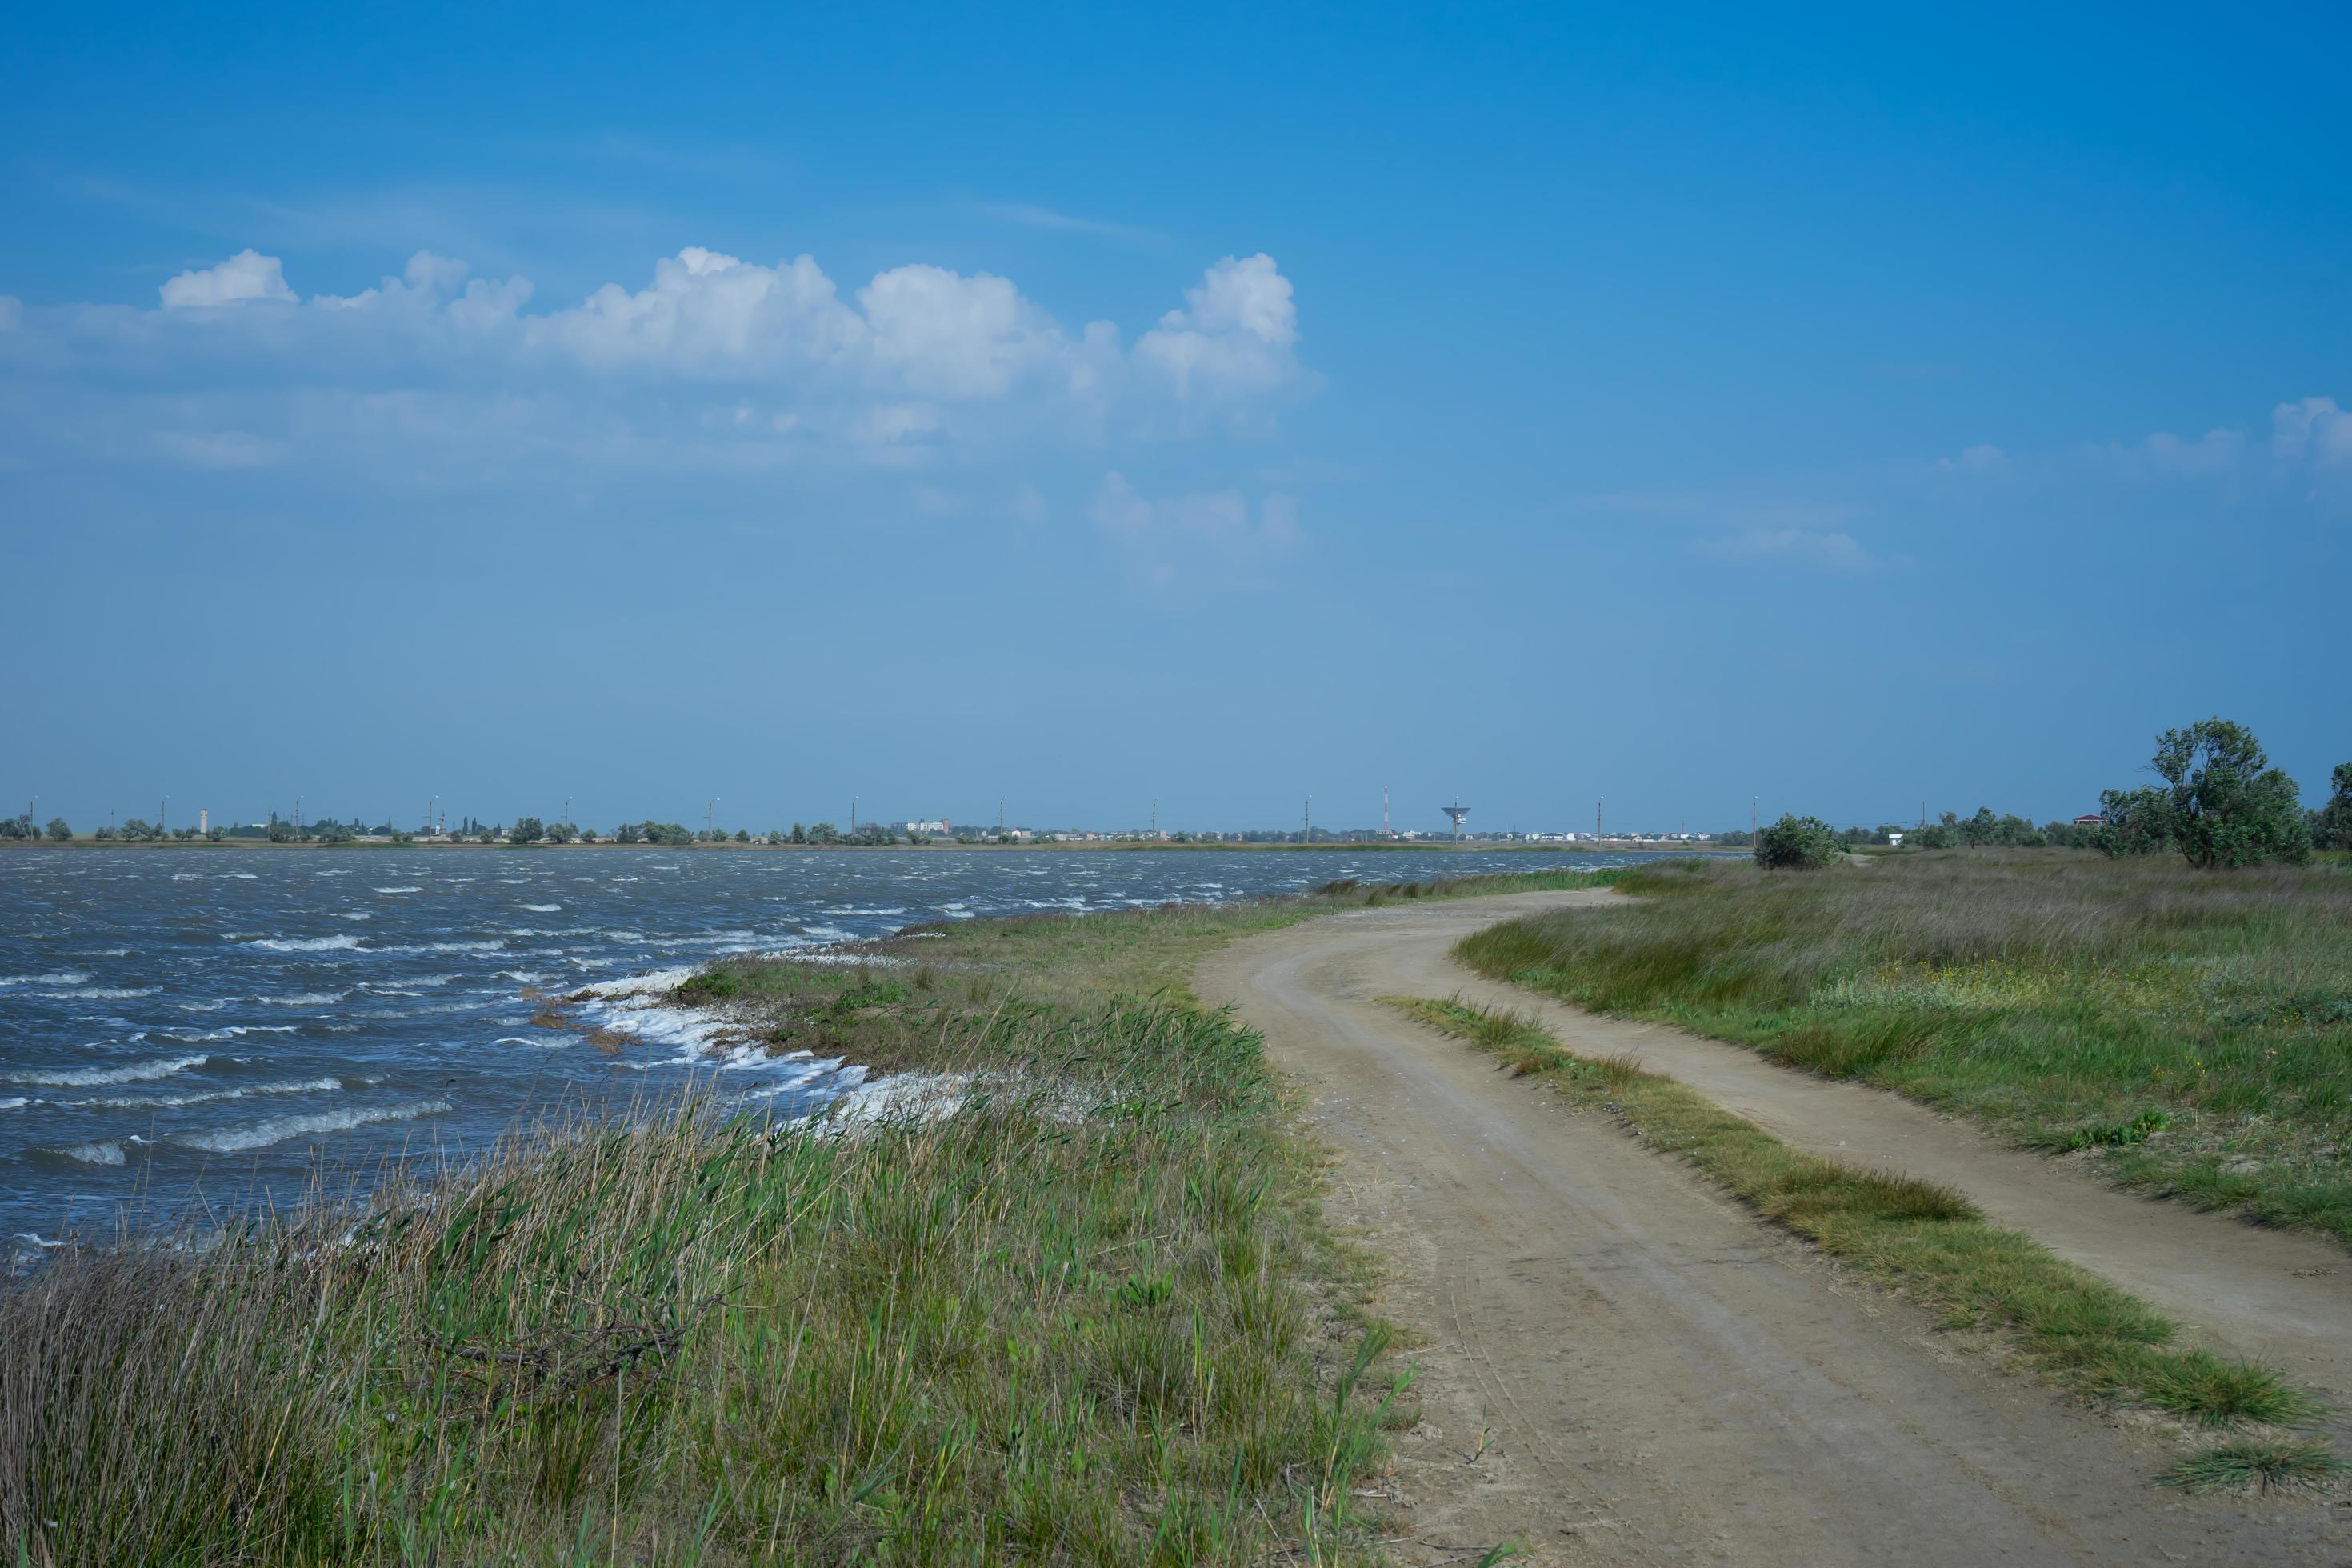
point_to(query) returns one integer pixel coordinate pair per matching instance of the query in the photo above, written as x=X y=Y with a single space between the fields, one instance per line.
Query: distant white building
x=940 y=826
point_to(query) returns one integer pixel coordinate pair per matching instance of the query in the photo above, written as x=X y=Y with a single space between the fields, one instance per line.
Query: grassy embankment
x=2189 y=1031
x=1090 y=1315
x=1932 y=1243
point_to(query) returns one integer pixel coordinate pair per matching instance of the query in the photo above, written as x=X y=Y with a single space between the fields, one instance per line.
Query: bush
x=1798 y=844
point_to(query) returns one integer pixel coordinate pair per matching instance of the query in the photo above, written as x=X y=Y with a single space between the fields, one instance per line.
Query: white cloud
x=1222 y=518
x=708 y=313
x=2208 y=454
x=2314 y=429
x=1235 y=334
x=1826 y=550
x=247 y=275
x=1981 y=458
x=946 y=335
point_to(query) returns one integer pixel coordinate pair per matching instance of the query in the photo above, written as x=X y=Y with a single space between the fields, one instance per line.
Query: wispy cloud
x=1821 y=549
x=1029 y=215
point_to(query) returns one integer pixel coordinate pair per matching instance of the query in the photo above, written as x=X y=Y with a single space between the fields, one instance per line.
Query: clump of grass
x=1920 y=1236
x=2260 y=1465
x=2193 y=1029
x=1073 y=1319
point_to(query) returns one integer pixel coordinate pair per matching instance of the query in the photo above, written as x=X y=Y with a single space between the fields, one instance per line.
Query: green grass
x=1089 y=1317
x=2190 y=1031
x=1923 y=1238
x=2260 y=1465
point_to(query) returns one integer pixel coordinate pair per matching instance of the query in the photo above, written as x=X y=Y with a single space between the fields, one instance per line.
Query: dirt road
x=1625 y=1366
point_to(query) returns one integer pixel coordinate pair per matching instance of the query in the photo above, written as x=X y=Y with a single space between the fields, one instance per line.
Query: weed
x=2259 y=1465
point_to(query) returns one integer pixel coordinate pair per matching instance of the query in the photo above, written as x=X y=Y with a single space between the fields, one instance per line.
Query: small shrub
x=1798 y=844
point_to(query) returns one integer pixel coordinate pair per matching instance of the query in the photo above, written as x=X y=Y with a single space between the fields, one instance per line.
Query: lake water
x=213 y=1021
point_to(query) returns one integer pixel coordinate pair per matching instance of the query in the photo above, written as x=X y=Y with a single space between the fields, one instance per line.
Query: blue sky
x=1220 y=405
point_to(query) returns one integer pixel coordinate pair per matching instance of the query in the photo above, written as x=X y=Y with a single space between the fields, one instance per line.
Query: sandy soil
x=1625 y=1366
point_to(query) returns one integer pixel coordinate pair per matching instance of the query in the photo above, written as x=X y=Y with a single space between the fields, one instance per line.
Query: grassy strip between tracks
x=1075 y=1305
x=1932 y=1243
x=2187 y=1033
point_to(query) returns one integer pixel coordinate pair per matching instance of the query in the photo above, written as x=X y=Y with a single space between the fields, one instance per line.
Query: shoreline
x=1382 y=847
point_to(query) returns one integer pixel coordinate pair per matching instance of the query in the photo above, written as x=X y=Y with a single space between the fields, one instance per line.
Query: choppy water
x=178 y=1021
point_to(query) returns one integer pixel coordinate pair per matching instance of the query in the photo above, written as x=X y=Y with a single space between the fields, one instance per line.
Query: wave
x=302 y=999
x=119 y=993
x=279 y=1129
x=173 y=1102
x=400 y=889
x=61 y=977
x=84 y=1078
x=494 y=945
x=542 y=908
x=95 y=1154
x=342 y=944
x=231 y=1032
x=14 y=1102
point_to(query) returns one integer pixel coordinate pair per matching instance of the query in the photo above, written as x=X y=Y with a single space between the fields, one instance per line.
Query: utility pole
x=567 y=811
x=853 y=813
x=297 y=819
x=1596 y=815
x=1751 y=815
x=1384 y=813
x=1000 y=816
x=1155 y=819
x=709 y=815
x=164 y=815
x=1306 y=827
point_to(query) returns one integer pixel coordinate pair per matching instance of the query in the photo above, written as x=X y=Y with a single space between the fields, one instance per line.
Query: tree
x=559 y=833
x=587 y=836
x=1798 y=844
x=2331 y=824
x=526 y=830
x=58 y=831
x=2135 y=822
x=2229 y=806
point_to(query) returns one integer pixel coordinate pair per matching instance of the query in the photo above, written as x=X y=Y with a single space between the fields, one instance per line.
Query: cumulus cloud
x=247 y=275
x=2314 y=429
x=1236 y=334
x=921 y=356
x=1823 y=549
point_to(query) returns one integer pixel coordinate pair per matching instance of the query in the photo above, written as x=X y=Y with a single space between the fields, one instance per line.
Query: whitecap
x=400 y=889
x=115 y=993
x=79 y=1078
x=95 y=1154
x=14 y=1102
x=303 y=999
x=172 y=1101
x=342 y=944
x=542 y=908
x=279 y=1129
x=61 y=977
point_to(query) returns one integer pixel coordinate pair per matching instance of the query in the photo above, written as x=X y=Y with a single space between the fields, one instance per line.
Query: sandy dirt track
x=1625 y=1366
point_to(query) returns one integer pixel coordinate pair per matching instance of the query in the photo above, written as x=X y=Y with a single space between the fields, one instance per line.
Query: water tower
x=1457 y=811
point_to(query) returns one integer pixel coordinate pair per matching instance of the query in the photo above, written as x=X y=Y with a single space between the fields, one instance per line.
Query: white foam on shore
x=86 y=1077
x=279 y=1129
